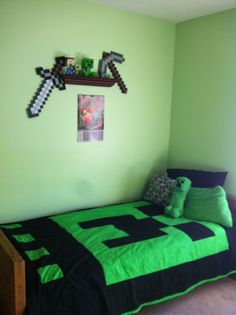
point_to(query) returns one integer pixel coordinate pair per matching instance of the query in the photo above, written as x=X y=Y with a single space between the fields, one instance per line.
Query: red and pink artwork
x=90 y=118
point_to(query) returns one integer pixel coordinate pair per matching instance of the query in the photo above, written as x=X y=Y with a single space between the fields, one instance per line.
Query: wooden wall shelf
x=94 y=81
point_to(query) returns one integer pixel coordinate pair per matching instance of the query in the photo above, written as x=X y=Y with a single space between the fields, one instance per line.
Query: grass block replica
x=175 y=208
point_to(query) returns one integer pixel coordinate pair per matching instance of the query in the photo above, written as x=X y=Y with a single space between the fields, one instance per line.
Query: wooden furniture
x=94 y=81
x=12 y=279
x=12 y=274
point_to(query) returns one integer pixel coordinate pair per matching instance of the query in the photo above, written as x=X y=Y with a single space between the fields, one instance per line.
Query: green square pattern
x=50 y=273
x=144 y=257
x=24 y=238
x=36 y=254
x=11 y=226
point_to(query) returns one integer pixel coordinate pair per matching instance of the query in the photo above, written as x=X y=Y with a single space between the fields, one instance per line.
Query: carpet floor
x=214 y=298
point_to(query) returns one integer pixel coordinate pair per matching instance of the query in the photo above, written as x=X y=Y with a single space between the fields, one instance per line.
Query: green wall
x=203 y=123
x=43 y=169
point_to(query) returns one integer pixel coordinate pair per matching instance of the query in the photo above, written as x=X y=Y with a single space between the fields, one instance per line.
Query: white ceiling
x=171 y=10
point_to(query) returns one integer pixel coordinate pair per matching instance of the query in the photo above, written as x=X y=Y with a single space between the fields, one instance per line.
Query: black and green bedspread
x=114 y=259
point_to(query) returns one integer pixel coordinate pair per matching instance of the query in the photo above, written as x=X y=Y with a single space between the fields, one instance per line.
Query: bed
x=110 y=260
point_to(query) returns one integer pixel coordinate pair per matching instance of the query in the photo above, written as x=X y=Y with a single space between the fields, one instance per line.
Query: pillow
x=160 y=190
x=199 y=178
x=208 y=204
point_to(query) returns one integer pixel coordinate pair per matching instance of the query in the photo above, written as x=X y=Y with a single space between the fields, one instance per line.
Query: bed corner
x=12 y=279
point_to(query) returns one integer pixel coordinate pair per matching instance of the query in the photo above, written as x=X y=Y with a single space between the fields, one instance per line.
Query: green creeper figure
x=86 y=67
x=175 y=208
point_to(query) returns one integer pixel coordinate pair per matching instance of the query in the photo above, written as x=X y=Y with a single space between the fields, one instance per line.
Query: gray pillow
x=159 y=190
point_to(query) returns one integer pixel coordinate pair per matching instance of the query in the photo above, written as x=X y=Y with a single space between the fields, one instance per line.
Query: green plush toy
x=175 y=208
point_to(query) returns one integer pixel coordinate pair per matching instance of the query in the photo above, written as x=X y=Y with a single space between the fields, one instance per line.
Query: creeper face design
x=87 y=66
x=112 y=237
x=87 y=63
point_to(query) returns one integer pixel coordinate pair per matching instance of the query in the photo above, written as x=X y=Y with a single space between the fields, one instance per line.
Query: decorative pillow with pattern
x=160 y=190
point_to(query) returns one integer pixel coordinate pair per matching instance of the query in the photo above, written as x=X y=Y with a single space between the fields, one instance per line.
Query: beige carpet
x=215 y=298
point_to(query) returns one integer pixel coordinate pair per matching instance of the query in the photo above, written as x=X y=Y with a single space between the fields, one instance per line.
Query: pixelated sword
x=51 y=79
x=107 y=61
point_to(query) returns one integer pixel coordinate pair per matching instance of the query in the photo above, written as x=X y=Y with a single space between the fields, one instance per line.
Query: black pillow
x=202 y=179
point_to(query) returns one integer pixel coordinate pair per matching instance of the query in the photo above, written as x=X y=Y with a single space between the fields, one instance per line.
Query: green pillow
x=208 y=204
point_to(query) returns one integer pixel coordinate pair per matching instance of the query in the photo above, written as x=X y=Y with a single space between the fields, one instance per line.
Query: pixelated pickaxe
x=107 y=61
x=51 y=79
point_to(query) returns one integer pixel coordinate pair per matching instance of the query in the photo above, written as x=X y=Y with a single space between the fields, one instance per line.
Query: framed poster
x=90 y=118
